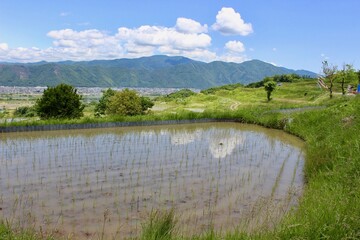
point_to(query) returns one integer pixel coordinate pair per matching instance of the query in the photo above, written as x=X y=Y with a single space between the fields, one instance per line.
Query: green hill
x=155 y=71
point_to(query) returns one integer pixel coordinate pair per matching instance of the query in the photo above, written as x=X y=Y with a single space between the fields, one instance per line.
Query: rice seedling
x=204 y=171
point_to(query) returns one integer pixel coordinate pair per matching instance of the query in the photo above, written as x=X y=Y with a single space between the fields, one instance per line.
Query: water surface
x=221 y=175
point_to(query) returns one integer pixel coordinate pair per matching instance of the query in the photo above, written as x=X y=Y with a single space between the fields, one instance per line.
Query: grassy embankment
x=330 y=206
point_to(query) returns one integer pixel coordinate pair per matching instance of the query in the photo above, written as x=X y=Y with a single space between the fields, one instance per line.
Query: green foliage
x=8 y=232
x=100 y=108
x=331 y=203
x=346 y=75
x=181 y=94
x=269 y=88
x=283 y=78
x=287 y=78
x=3 y=112
x=126 y=102
x=61 y=102
x=146 y=103
x=25 y=112
x=159 y=226
x=227 y=87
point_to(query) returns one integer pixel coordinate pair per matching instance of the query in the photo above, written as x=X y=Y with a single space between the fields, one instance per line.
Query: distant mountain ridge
x=154 y=71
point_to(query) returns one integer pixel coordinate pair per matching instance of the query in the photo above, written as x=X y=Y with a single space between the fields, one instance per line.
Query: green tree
x=146 y=103
x=61 y=101
x=269 y=88
x=346 y=75
x=100 y=108
x=126 y=102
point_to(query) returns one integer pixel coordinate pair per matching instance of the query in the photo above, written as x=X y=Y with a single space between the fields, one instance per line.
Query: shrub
x=100 y=108
x=128 y=103
x=25 y=112
x=61 y=101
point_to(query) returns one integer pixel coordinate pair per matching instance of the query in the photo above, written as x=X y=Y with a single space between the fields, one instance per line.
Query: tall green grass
x=159 y=226
x=8 y=232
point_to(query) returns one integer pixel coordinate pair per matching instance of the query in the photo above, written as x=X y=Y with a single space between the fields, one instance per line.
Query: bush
x=25 y=112
x=61 y=101
x=127 y=103
x=100 y=108
x=228 y=87
x=181 y=94
x=146 y=103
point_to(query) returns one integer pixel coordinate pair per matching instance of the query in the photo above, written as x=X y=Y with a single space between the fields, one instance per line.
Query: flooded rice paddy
x=220 y=175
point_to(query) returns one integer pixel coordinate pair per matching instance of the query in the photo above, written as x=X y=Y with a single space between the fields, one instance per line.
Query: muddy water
x=86 y=183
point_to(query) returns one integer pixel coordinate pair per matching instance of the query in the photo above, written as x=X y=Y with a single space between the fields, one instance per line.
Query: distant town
x=89 y=91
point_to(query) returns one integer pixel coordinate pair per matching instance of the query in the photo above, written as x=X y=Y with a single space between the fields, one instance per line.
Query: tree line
x=63 y=102
x=332 y=76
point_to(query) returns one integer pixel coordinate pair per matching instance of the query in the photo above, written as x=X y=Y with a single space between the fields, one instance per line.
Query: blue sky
x=294 y=34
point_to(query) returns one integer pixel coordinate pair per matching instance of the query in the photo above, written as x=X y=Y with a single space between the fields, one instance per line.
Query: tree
x=126 y=102
x=100 y=108
x=329 y=75
x=269 y=88
x=146 y=103
x=346 y=75
x=61 y=101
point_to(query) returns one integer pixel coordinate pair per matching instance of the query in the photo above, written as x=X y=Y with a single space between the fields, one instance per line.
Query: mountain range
x=154 y=71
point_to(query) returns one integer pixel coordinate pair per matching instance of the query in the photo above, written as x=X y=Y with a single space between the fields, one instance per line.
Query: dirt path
x=234 y=106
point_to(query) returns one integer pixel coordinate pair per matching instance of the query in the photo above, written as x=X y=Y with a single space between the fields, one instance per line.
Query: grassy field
x=330 y=206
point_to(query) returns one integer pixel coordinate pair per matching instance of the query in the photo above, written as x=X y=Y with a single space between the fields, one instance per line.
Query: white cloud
x=235 y=46
x=186 y=38
x=274 y=49
x=200 y=54
x=84 y=45
x=162 y=36
x=234 y=52
x=4 y=47
x=169 y=41
x=186 y=25
x=229 y=22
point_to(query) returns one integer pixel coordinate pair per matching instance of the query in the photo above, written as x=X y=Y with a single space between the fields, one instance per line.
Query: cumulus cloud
x=229 y=22
x=235 y=46
x=162 y=36
x=85 y=45
x=187 y=38
x=234 y=52
x=186 y=25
